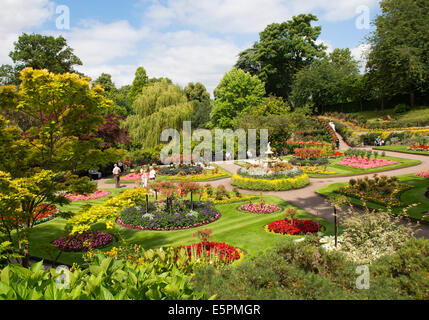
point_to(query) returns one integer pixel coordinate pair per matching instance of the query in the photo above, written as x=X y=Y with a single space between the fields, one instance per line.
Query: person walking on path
x=116 y=173
x=152 y=174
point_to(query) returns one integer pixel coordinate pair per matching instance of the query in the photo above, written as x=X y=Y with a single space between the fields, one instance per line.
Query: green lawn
x=416 y=114
x=415 y=195
x=343 y=171
x=241 y=229
x=401 y=149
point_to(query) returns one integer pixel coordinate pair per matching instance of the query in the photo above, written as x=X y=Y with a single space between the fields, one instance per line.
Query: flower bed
x=365 y=163
x=216 y=250
x=180 y=170
x=316 y=170
x=132 y=177
x=423 y=174
x=83 y=241
x=292 y=226
x=383 y=190
x=269 y=184
x=43 y=213
x=95 y=195
x=159 y=218
x=259 y=208
x=220 y=195
x=418 y=148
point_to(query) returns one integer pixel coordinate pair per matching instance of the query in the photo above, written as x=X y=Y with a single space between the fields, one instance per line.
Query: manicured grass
x=241 y=229
x=415 y=195
x=401 y=149
x=417 y=113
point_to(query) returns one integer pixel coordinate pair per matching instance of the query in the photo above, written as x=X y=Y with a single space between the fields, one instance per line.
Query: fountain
x=269 y=161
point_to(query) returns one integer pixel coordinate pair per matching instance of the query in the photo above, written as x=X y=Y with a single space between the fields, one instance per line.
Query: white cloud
x=243 y=16
x=96 y=43
x=360 y=54
x=122 y=74
x=186 y=56
x=17 y=16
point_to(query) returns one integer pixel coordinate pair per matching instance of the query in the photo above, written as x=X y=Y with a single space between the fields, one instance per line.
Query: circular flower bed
x=160 y=218
x=223 y=251
x=132 y=177
x=259 y=208
x=180 y=170
x=292 y=227
x=84 y=241
x=95 y=195
x=423 y=174
x=262 y=184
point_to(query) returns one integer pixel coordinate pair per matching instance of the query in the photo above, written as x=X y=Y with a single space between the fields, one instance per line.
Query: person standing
x=116 y=174
x=144 y=177
x=152 y=174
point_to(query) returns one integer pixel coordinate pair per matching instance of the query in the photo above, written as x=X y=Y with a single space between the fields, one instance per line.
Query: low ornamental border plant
x=423 y=174
x=83 y=241
x=292 y=227
x=95 y=195
x=418 y=148
x=270 y=185
x=213 y=250
x=259 y=208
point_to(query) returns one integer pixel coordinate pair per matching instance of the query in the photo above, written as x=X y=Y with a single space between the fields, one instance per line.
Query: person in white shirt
x=249 y=154
x=152 y=174
x=332 y=125
x=116 y=173
x=144 y=177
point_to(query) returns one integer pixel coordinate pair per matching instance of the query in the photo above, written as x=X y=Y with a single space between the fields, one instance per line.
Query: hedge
x=270 y=185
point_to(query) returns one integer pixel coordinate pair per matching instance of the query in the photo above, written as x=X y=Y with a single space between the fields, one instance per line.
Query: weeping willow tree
x=160 y=106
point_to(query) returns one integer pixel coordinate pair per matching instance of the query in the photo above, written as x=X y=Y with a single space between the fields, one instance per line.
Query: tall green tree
x=282 y=50
x=399 y=60
x=238 y=92
x=200 y=98
x=328 y=81
x=159 y=106
x=105 y=80
x=140 y=81
x=44 y=52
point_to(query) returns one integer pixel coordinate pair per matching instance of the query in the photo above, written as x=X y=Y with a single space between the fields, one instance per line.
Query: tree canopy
x=238 y=92
x=399 y=59
x=159 y=106
x=282 y=50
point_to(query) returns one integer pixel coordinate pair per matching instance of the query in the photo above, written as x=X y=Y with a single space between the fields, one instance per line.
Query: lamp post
x=335 y=226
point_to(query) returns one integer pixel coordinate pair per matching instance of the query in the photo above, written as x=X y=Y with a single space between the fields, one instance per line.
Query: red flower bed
x=42 y=213
x=293 y=227
x=419 y=148
x=223 y=251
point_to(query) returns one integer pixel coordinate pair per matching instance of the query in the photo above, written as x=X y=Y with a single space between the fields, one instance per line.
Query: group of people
x=378 y=141
x=118 y=169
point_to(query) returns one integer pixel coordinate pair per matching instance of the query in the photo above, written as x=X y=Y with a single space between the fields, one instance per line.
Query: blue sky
x=185 y=40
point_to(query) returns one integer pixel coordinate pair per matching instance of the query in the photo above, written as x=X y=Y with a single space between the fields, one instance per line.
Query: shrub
x=270 y=185
x=401 y=108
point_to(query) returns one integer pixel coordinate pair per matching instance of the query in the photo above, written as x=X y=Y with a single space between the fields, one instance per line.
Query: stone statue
x=269 y=148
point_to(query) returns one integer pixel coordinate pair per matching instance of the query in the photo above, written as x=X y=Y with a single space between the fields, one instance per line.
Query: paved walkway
x=307 y=198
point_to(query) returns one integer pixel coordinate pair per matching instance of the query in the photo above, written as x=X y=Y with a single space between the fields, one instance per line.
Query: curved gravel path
x=307 y=198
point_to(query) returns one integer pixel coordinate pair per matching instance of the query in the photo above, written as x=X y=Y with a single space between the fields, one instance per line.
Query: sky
x=184 y=40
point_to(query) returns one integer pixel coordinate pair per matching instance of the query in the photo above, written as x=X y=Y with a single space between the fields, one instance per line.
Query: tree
x=8 y=75
x=22 y=200
x=327 y=82
x=399 y=59
x=283 y=50
x=44 y=52
x=67 y=112
x=238 y=92
x=271 y=105
x=105 y=81
x=14 y=150
x=111 y=133
x=140 y=81
x=196 y=92
x=160 y=106
x=200 y=98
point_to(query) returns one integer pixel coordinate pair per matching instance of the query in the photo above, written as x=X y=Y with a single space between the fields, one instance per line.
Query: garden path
x=307 y=198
